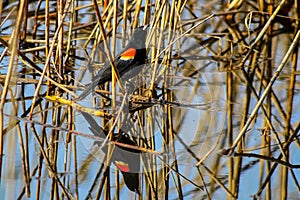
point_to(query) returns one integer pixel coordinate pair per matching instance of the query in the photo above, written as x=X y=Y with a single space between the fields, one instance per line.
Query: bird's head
x=138 y=38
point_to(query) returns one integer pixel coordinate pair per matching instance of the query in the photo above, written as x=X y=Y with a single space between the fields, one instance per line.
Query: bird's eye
x=126 y=135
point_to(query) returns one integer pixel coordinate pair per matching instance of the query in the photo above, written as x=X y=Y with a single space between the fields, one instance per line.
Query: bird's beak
x=146 y=27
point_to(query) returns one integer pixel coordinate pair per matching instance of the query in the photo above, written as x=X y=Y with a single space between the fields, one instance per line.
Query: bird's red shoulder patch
x=128 y=54
x=122 y=166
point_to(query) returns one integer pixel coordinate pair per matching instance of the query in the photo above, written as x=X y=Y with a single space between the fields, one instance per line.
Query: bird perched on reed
x=128 y=63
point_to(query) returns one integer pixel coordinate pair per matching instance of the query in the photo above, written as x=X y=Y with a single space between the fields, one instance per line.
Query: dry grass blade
x=266 y=91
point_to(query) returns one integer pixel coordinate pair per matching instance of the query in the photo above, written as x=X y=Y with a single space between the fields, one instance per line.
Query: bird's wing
x=102 y=76
x=126 y=63
x=132 y=181
x=124 y=160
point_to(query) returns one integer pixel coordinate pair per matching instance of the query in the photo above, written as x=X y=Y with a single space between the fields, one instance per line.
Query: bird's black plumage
x=127 y=160
x=128 y=63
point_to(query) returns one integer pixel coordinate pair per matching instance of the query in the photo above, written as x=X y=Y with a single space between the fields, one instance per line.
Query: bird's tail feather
x=94 y=127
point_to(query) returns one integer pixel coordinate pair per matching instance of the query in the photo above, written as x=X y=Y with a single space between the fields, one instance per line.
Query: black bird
x=127 y=160
x=128 y=63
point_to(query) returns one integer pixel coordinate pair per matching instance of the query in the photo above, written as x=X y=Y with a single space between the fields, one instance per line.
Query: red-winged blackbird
x=126 y=160
x=128 y=63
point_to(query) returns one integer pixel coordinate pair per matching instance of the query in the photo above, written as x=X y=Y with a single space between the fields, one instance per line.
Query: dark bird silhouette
x=128 y=63
x=127 y=160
